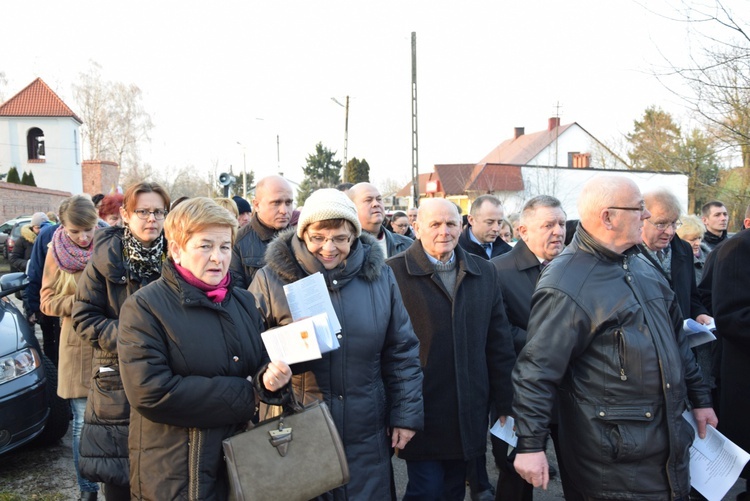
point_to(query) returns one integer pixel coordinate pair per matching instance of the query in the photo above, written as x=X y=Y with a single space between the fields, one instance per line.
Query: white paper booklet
x=715 y=462
x=309 y=297
x=506 y=432
x=300 y=341
x=698 y=334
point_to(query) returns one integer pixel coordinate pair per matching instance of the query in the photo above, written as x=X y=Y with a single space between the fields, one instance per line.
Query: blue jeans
x=78 y=405
x=436 y=480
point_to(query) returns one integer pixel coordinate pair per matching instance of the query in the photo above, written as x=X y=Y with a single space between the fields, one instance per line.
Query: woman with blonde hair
x=229 y=205
x=692 y=231
x=70 y=250
x=125 y=259
x=189 y=347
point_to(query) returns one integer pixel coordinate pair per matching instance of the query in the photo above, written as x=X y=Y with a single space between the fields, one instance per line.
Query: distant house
x=556 y=161
x=40 y=133
x=558 y=146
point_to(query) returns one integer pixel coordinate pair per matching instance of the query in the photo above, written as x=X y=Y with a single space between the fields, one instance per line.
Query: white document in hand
x=308 y=297
x=697 y=334
x=324 y=331
x=715 y=462
x=300 y=341
x=506 y=432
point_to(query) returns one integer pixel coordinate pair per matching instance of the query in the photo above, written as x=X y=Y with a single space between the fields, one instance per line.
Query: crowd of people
x=152 y=309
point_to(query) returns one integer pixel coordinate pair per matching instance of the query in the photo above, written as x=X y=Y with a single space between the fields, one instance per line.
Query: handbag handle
x=283 y=397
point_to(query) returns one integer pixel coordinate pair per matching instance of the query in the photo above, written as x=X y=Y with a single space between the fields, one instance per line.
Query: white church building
x=39 y=133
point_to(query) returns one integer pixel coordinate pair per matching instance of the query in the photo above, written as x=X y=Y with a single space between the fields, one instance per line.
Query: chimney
x=518 y=132
x=553 y=122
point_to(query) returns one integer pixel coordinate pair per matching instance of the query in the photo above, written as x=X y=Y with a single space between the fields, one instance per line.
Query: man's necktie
x=487 y=249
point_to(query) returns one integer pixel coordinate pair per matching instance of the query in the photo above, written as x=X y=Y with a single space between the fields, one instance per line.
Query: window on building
x=35 y=144
x=75 y=145
x=579 y=160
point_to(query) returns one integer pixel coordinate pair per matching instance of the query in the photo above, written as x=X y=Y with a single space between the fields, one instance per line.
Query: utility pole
x=244 y=170
x=414 y=146
x=278 y=157
x=346 y=132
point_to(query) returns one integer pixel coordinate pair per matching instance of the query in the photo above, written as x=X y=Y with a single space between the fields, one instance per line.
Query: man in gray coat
x=465 y=349
x=604 y=337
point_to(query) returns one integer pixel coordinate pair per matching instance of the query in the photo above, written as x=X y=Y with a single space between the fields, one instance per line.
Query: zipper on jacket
x=195 y=444
x=620 y=340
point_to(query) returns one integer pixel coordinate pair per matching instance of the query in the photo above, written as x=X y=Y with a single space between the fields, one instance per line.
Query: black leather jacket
x=604 y=335
x=249 y=251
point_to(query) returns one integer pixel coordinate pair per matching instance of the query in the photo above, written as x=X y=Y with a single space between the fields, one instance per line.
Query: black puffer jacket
x=184 y=361
x=373 y=381
x=22 y=250
x=605 y=328
x=105 y=285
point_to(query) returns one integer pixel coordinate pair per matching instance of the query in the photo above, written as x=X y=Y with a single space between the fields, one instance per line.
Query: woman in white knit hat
x=373 y=382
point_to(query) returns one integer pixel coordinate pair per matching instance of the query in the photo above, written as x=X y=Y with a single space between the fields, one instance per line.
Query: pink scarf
x=69 y=257
x=215 y=293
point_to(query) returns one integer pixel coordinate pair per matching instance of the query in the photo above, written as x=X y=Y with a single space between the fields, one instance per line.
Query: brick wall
x=19 y=200
x=99 y=176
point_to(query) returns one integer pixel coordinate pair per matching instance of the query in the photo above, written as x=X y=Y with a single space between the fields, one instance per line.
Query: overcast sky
x=217 y=73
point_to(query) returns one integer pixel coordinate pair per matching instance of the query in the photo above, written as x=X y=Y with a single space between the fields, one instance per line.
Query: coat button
x=122 y=279
x=602 y=413
x=668 y=386
x=648 y=414
x=236 y=358
x=341 y=397
x=339 y=336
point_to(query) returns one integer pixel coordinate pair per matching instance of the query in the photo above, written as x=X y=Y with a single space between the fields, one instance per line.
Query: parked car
x=15 y=234
x=5 y=230
x=30 y=409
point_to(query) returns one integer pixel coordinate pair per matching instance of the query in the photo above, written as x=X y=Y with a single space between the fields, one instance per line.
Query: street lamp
x=346 y=131
x=244 y=170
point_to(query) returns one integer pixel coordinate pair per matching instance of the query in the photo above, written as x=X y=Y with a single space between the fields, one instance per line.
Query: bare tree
x=389 y=186
x=115 y=123
x=718 y=79
x=128 y=124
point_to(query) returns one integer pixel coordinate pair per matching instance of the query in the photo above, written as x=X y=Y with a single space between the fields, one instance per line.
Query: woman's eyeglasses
x=338 y=240
x=158 y=214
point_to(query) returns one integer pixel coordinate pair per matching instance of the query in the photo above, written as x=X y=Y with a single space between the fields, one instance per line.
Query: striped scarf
x=68 y=255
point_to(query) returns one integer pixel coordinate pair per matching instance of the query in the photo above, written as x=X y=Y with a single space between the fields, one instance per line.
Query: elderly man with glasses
x=604 y=338
x=670 y=255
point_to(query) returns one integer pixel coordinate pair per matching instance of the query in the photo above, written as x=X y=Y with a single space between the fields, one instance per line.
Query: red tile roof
x=458 y=179
x=37 y=100
x=521 y=150
x=423 y=178
x=490 y=178
x=454 y=177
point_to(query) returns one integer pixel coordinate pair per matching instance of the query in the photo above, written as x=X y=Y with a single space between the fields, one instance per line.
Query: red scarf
x=215 y=293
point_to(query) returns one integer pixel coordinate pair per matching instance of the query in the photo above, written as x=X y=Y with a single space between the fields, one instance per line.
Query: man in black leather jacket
x=604 y=336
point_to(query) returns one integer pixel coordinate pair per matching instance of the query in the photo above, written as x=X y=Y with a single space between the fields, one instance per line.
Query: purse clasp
x=281 y=437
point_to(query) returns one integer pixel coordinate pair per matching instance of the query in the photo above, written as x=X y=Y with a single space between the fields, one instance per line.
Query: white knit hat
x=328 y=203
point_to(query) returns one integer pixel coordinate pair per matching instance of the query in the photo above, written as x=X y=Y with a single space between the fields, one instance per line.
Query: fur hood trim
x=280 y=257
